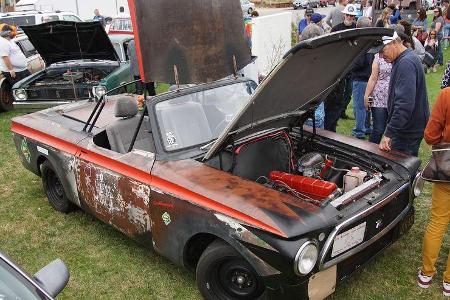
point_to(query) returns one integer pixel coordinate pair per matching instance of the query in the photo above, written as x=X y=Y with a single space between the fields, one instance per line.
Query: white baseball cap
x=385 y=39
x=350 y=9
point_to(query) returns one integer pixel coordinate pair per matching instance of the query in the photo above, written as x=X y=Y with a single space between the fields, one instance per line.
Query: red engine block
x=315 y=188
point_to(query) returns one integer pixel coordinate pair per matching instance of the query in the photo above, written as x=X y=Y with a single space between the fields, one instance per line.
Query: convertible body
x=199 y=176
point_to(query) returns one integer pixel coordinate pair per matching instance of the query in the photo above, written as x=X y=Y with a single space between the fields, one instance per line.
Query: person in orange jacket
x=437 y=132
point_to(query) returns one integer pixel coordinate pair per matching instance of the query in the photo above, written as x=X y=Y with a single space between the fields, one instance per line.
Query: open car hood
x=305 y=76
x=63 y=40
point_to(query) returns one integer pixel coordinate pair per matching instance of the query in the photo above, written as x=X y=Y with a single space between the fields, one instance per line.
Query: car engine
x=67 y=84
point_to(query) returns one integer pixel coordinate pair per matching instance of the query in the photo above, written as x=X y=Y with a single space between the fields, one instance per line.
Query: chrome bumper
x=328 y=244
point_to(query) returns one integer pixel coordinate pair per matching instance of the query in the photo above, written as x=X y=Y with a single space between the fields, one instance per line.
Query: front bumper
x=322 y=284
x=396 y=213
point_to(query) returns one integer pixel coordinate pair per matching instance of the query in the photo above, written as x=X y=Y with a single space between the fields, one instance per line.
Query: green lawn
x=104 y=264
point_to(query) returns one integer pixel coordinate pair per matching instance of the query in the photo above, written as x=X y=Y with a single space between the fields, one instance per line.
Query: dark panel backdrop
x=199 y=37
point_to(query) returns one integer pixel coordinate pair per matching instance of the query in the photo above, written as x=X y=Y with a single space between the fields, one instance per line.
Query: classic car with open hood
x=222 y=177
x=79 y=57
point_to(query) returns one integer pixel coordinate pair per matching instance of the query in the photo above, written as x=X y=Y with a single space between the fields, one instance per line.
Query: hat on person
x=350 y=9
x=316 y=18
x=385 y=40
x=309 y=12
x=5 y=30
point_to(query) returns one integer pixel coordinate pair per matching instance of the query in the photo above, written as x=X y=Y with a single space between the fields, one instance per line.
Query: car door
x=115 y=188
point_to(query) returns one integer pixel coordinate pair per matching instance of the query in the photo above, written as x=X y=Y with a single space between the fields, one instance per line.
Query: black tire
x=6 y=98
x=250 y=10
x=223 y=274
x=54 y=189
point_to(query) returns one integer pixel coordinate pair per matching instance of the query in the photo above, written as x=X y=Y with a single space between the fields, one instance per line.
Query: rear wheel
x=6 y=99
x=224 y=274
x=54 y=189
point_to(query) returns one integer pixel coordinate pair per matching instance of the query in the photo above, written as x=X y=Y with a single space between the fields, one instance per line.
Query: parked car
x=325 y=3
x=247 y=6
x=21 y=18
x=72 y=73
x=223 y=177
x=35 y=63
x=46 y=284
x=306 y=4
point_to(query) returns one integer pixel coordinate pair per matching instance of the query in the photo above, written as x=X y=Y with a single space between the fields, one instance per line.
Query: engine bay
x=278 y=162
x=70 y=76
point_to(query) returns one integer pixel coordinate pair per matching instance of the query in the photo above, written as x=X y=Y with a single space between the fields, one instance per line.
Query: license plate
x=348 y=239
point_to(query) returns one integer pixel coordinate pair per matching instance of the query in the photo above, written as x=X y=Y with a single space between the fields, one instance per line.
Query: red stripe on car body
x=139 y=175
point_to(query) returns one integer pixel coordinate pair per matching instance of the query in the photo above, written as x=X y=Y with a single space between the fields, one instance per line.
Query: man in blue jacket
x=408 y=108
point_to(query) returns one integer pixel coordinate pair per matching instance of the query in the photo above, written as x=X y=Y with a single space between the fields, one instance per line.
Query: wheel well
x=195 y=247
x=41 y=159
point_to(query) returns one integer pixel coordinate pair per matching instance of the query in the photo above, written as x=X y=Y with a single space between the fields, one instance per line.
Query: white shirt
x=16 y=57
x=368 y=12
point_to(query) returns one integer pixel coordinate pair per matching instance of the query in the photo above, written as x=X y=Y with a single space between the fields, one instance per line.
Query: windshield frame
x=194 y=150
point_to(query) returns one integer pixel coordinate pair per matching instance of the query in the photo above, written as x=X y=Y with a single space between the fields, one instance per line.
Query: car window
x=27 y=48
x=14 y=286
x=71 y=18
x=121 y=25
x=49 y=18
x=118 y=50
x=19 y=20
x=197 y=118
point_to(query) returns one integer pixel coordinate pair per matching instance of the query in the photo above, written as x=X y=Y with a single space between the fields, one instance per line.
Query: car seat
x=120 y=133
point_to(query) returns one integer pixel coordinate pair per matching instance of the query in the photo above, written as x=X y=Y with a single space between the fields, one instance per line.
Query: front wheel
x=54 y=189
x=6 y=98
x=224 y=274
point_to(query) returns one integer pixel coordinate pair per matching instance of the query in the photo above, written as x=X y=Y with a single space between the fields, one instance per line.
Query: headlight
x=417 y=185
x=306 y=258
x=20 y=95
x=99 y=91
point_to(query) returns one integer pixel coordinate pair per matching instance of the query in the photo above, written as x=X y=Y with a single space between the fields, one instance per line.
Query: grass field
x=104 y=264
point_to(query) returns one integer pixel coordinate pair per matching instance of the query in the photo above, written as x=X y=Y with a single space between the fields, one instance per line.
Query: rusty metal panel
x=115 y=199
x=199 y=37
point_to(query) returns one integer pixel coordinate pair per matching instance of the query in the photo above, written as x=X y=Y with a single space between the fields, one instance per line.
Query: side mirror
x=53 y=277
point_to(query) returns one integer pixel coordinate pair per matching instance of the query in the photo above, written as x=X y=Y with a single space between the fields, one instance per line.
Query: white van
x=32 y=17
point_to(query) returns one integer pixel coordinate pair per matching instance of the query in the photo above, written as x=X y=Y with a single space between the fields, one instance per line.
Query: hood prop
x=175 y=75
x=235 y=67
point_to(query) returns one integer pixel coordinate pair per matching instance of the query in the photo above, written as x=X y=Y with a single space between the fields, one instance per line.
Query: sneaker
x=446 y=289
x=423 y=281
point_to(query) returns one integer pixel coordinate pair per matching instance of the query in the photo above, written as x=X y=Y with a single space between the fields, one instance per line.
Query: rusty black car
x=222 y=177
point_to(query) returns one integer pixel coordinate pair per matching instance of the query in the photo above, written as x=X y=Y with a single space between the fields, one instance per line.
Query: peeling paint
x=115 y=199
x=242 y=232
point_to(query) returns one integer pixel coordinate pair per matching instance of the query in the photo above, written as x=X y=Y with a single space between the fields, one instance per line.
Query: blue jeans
x=359 y=87
x=446 y=31
x=379 y=117
x=408 y=146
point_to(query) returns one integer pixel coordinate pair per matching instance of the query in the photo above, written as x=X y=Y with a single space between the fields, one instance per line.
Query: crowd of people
x=390 y=102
